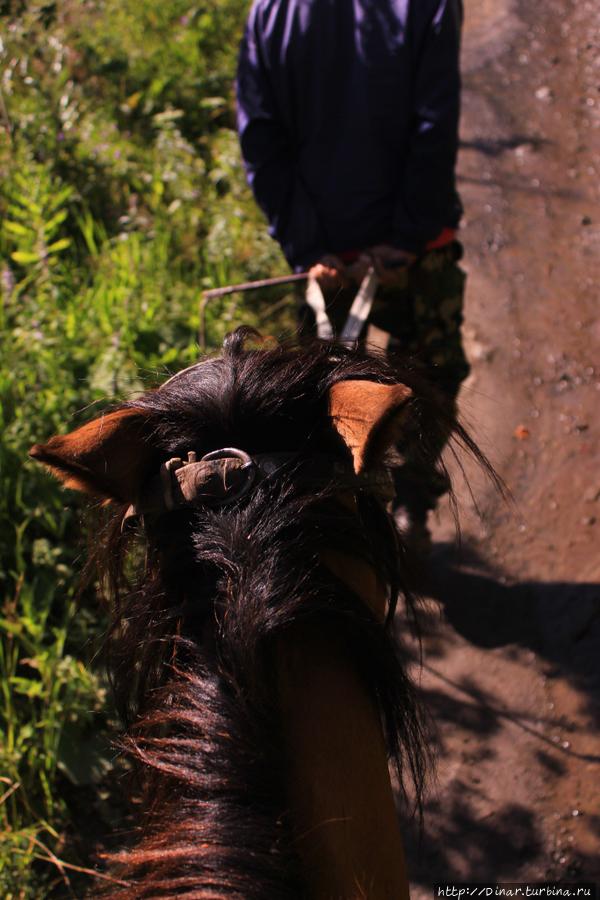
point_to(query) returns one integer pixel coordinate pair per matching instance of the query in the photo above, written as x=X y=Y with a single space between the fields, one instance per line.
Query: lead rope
x=359 y=311
x=316 y=301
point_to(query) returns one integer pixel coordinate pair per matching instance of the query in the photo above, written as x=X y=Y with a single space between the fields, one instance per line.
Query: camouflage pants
x=420 y=318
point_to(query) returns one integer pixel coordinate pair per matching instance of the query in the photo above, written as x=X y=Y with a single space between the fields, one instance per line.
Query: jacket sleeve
x=427 y=201
x=268 y=153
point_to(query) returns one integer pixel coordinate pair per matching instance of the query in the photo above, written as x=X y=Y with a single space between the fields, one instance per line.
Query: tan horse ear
x=368 y=417
x=106 y=457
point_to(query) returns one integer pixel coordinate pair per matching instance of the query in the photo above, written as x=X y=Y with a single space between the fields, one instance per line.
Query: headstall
x=223 y=477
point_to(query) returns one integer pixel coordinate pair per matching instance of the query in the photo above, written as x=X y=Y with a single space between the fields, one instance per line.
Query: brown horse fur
x=252 y=654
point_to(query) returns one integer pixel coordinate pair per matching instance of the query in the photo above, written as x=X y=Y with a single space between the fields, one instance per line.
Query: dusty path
x=512 y=666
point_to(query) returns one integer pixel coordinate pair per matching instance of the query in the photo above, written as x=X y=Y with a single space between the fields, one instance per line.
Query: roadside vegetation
x=121 y=198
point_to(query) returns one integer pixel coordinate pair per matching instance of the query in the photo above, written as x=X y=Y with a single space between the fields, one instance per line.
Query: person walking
x=348 y=116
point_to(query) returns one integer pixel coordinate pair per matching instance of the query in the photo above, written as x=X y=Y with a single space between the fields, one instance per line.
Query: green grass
x=122 y=197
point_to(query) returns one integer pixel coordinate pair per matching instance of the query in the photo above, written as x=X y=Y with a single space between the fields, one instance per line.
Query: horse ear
x=368 y=417
x=106 y=458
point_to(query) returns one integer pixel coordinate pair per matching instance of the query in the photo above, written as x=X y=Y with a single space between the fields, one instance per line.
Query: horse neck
x=275 y=789
x=342 y=805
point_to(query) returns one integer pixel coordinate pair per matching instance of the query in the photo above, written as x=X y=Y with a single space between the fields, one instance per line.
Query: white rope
x=316 y=301
x=361 y=307
x=359 y=311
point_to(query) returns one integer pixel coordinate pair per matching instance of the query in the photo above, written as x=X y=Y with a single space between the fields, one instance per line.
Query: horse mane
x=200 y=598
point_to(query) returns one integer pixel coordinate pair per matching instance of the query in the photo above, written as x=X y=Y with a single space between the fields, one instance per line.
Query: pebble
x=481 y=352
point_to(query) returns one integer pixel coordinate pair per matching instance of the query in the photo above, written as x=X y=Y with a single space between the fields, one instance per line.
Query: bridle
x=219 y=478
x=223 y=477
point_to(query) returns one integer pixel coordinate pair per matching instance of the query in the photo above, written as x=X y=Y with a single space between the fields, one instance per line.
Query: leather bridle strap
x=224 y=476
x=219 y=478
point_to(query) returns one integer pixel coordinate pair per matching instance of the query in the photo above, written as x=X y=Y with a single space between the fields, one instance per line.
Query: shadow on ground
x=559 y=621
x=464 y=837
x=497 y=847
x=459 y=849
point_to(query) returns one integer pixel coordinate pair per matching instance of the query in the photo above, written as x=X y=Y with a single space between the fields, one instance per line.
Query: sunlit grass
x=121 y=198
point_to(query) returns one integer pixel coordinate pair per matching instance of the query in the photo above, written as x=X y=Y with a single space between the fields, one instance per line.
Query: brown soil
x=511 y=666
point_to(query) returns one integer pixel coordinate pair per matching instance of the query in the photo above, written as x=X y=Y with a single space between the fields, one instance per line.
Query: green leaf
x=56 y=220
x=19 y=212
x=213 y=102
x=28 y=204
x=16 y=228
x=57 y=246
x=24 y=257
x=64 y=194
x=27 y=687
x=11 y=627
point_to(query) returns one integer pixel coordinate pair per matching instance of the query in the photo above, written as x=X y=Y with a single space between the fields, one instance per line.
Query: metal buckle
x=249 y=467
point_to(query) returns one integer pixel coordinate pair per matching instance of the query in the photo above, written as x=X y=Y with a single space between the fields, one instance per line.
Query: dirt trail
x=512 y=666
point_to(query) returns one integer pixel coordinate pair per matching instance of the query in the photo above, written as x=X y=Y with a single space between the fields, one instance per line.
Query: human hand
x=357 y=270
x=391 y=263
x=330 y=272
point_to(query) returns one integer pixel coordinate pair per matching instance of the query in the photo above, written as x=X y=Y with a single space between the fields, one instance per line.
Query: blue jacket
x=348 y=119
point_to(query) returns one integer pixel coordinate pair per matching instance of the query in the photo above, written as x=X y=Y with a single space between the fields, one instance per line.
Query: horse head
x=251 y=647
